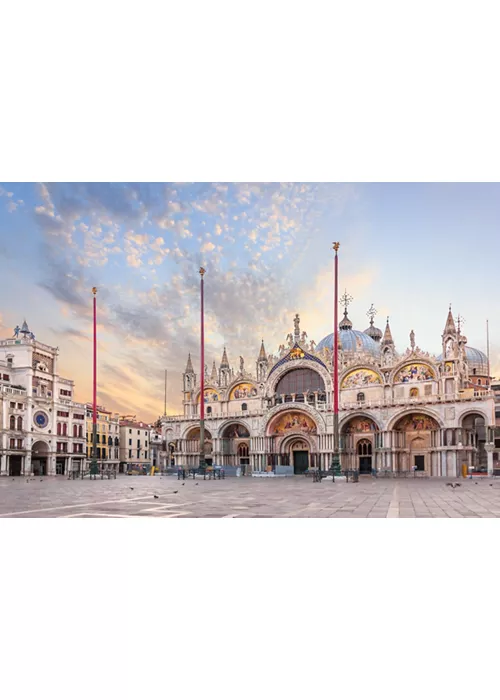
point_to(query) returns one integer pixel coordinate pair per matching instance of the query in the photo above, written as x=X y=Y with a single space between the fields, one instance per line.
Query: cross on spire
x=371 y=313
x=345 y=300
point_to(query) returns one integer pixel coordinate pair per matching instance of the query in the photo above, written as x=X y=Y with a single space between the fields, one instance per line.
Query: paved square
x=127 y=497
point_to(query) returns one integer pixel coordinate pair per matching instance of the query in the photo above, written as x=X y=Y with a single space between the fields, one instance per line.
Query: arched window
x=209 y=409
x=75 y=431
x=65 y=428
x=364 y=448
x=243 y=450
x=59 y=429
x=300 y=381
x=361 y=397
x=12 y=423
x=19 y=423
x=474 y=371
x=244 y=407
x=117 y=442
x=479 y=381
x=80 y=431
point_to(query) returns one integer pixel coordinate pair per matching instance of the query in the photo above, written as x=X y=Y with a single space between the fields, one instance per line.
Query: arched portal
x=39 y=458
x=235 y=445
x=357 y=440
x=296 y=452
x=474 y=434
x=414 y=441
x=193 y=444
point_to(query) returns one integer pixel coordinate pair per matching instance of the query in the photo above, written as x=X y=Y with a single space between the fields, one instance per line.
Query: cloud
x=207 y=247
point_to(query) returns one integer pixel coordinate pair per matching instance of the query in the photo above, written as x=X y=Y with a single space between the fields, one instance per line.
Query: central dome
x=351 y=341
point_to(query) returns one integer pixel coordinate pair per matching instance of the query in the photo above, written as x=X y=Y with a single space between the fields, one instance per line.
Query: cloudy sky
x=410 y=249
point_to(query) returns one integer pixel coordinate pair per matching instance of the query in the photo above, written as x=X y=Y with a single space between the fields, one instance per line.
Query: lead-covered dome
x=351 y=341
x=476 y=360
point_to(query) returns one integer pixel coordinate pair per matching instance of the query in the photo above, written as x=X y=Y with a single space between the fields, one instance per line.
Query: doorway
x=364 y=450
x=300 y=461
x=365 y=465
x=15 y=465
x=419 y=463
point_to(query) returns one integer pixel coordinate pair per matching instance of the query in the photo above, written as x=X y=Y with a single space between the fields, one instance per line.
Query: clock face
x=41 y=419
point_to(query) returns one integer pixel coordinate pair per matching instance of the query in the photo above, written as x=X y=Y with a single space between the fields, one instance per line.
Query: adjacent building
x=135 y=454
x=108 y=438
x=399 y=411
x=42 y=428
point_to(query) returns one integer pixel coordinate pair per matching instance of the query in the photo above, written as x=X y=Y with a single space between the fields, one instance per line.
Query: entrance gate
x=300 y=461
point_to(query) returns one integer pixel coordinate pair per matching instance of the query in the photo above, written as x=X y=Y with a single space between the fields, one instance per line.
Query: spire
x=450 y=328
x=345 y=300
x=213 y=376
x=189 y=366
x=387 y=339
x=372 y=331
x=262 y=353
x=224 y=361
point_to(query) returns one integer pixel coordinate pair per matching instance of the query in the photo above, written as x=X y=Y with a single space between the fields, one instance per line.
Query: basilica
x=399 y=411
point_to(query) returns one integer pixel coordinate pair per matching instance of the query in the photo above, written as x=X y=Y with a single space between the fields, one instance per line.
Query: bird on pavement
x=196 y=484
x=155 y=496
x=131 y=488
x=176 y=492
x=183 y=484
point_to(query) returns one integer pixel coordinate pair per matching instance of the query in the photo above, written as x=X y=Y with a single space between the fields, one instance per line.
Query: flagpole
x=93 y=465
x=488 y=350
x=202 y=373
x=335 y=466
x=165 y=407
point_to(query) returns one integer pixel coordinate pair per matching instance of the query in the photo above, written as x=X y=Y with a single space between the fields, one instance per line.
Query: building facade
x=108 y=438
x=42 y=427
x=399 y=411
x=135 y=454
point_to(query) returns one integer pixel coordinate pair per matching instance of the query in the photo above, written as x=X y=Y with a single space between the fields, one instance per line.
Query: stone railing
x=13 y=392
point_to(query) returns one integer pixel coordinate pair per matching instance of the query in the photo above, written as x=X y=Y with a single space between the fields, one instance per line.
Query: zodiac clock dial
x=41 y=419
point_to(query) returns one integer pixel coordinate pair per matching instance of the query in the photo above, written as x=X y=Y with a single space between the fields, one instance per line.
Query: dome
x=374 y=333
x=351 y=341
x=476 y=360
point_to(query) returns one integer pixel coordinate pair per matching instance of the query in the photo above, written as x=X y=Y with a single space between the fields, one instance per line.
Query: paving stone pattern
x=125 y=497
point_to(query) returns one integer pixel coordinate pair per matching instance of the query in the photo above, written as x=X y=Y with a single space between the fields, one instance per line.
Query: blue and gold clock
x=41 y=419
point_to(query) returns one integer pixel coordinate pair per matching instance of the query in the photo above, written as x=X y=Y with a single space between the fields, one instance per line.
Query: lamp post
x=335 y=466
x=93 y=464
x=202 y=375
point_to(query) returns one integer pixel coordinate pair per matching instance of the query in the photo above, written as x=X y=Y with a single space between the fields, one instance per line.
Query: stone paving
x=126 y=497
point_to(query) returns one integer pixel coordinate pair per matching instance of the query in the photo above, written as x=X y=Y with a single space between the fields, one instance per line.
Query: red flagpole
x=94 y=468
x=336 y=456
x=202 y=371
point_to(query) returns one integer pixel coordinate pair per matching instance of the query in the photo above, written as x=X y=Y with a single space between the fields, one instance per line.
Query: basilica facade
x=398 y=411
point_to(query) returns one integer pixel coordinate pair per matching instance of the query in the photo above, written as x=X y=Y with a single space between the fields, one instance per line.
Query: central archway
x=39 y=458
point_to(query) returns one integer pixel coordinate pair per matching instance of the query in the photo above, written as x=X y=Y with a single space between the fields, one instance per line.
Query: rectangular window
x=19 y=444
x=130 y=431
x=138 y=454
x=12 y=404
x=20 y=406
x=63 y=414
x=6 y=377
x=130 y=454
x=64 y=392
x=78 y=416
x=104 y=453
x=138 y=443
x=12 y=443
x=130 y=441
x=146 y=455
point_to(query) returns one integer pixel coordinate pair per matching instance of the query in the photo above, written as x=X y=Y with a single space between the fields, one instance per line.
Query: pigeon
x=177 y=491
x=155 y=496
x=131 y=488
x=196 y=484
x=183 y=484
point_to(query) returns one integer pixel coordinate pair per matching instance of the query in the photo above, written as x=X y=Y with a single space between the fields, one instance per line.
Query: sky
x=410 y=249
